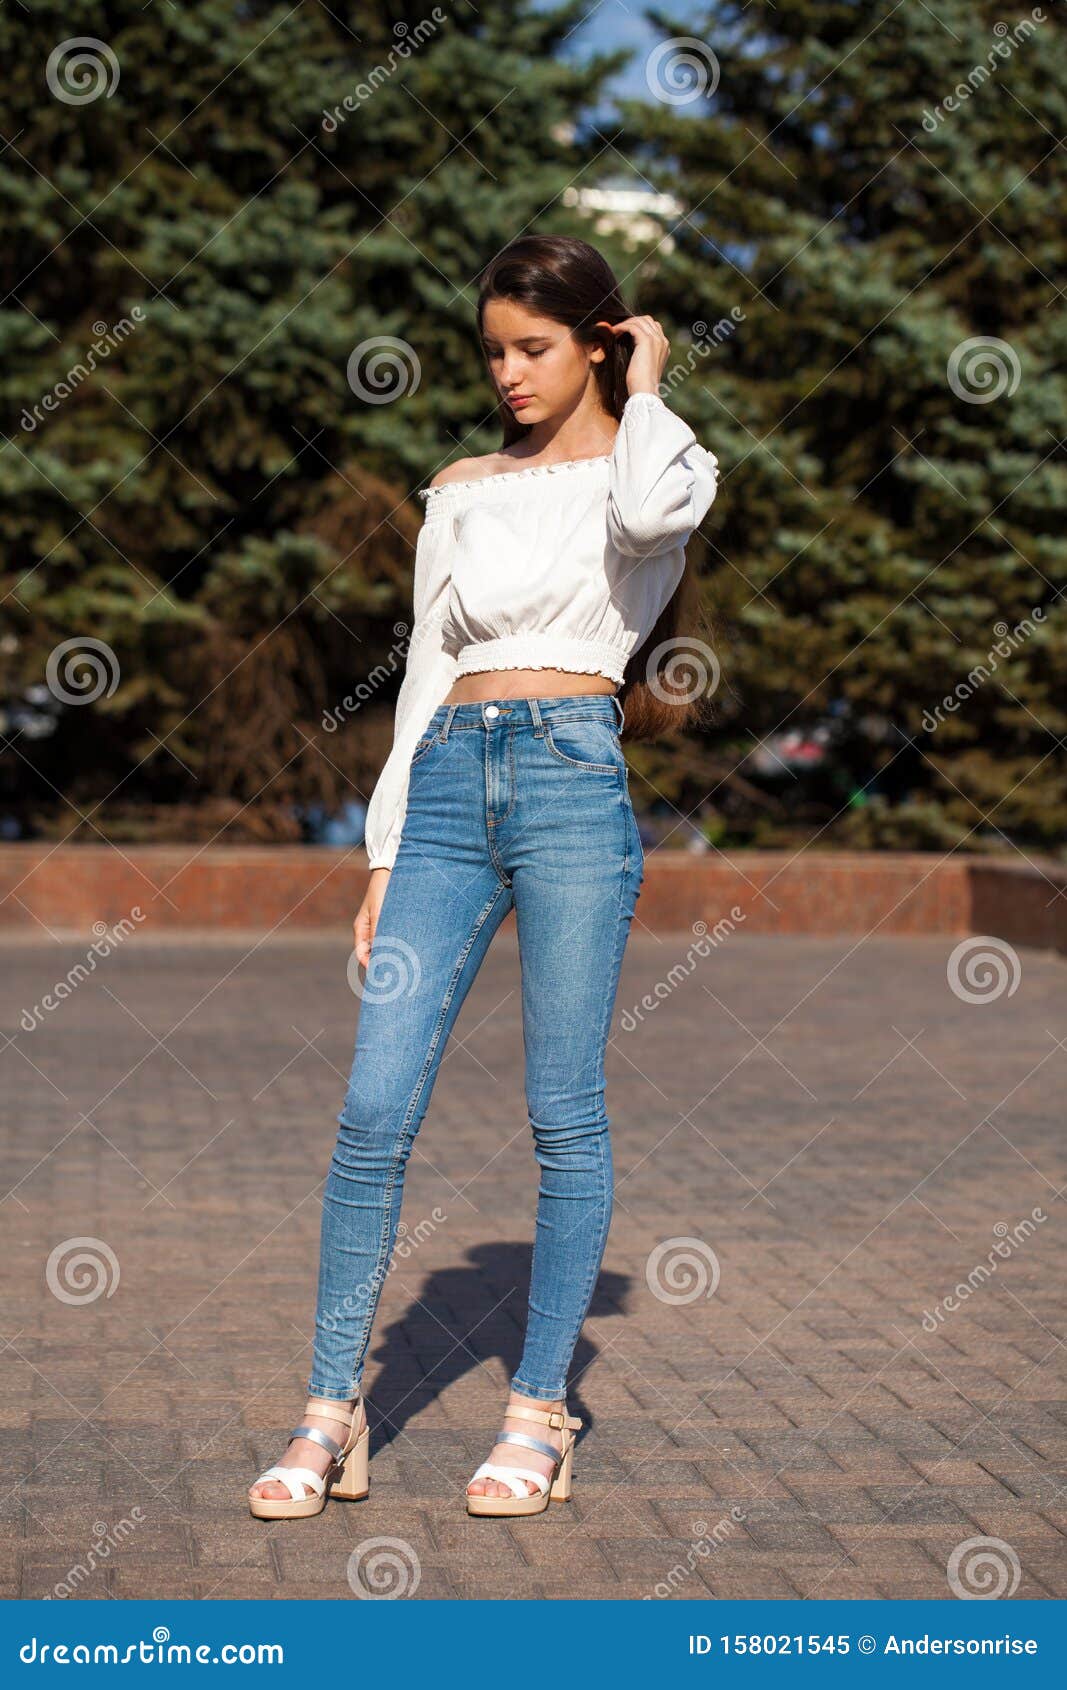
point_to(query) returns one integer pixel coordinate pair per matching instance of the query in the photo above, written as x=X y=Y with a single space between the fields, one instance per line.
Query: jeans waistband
x=527 y=712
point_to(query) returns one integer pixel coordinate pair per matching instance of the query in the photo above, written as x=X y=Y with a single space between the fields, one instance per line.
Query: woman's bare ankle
x=305 y=1452
x=512 y=1456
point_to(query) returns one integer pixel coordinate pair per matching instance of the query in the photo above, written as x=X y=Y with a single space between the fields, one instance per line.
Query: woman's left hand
x=649 y=355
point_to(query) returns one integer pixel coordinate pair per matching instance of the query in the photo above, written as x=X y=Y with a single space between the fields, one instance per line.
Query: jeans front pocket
x=422 y=748
x=588 y=743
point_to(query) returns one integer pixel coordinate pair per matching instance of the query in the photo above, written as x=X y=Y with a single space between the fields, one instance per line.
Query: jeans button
x=492 y=710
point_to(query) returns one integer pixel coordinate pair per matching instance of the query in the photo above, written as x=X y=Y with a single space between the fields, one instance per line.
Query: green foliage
x=876 y=529
x=215 y=502
x=225 y=232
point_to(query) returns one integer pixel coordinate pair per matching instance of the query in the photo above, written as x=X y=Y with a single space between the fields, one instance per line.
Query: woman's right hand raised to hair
x=366 y=923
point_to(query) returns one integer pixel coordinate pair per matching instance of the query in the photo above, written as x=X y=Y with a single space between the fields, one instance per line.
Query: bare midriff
x=525 y=683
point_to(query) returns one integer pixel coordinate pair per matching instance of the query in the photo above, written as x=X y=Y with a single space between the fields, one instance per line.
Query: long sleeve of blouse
x=660 y=483
x=557 y=566
x=428 y=676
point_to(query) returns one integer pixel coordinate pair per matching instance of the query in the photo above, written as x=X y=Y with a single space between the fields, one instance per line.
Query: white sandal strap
x=304 y=1476
x=511 y=1476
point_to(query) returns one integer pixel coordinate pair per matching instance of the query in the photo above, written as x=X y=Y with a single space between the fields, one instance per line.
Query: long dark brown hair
x=568 y=280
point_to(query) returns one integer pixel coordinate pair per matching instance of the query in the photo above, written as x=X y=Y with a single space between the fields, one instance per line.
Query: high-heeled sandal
x=347 y=1475
x=555 y=1487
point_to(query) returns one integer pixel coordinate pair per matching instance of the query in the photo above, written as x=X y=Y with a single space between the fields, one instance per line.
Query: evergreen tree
x=890 y=410
x=220 y=218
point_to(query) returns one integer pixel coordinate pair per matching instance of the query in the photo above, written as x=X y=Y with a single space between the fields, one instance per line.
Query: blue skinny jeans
x=517 y=803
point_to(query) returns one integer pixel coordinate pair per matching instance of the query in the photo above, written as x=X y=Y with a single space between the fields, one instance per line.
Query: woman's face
x=535 y=359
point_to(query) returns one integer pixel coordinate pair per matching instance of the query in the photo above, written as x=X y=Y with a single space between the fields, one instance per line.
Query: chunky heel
x=347 y=1476
x=556 y=1487
x=561 y=1484
x=354 y=1481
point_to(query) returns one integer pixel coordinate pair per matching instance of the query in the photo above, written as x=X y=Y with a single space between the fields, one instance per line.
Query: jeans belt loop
x=622 y=713
x=447 y=723
x=536 y=718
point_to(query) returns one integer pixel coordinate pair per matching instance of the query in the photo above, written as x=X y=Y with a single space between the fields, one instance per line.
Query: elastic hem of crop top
x=436 y=498
x=543 y=651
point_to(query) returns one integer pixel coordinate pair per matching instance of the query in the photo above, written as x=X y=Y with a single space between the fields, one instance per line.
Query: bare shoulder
x=470 y=469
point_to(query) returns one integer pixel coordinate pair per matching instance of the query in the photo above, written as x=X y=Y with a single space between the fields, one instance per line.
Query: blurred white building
x=639 y=217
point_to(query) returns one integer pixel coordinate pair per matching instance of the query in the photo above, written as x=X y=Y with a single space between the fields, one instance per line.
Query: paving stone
x=805 y=1390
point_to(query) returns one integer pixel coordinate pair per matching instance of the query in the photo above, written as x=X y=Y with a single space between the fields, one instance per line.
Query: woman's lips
x=520 y=399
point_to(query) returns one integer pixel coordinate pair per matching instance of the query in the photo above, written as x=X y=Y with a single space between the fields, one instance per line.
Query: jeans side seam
x=378 y=1275
x=605 y=1026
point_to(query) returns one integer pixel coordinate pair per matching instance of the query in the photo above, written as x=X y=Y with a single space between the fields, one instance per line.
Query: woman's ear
x=598 y=350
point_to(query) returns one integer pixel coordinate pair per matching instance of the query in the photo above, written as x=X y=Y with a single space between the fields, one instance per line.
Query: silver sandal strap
x=529 y=1443
x=329 y=1444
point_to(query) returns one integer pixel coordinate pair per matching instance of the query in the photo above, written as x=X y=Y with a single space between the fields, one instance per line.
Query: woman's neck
x=587 y=431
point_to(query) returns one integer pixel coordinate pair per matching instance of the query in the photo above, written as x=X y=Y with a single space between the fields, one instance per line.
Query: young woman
x=546 y=575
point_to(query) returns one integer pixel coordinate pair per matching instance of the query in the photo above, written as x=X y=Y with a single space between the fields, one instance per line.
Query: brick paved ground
x=848 y=1171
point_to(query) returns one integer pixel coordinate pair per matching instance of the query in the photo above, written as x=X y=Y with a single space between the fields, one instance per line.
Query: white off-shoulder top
x=557 y=566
